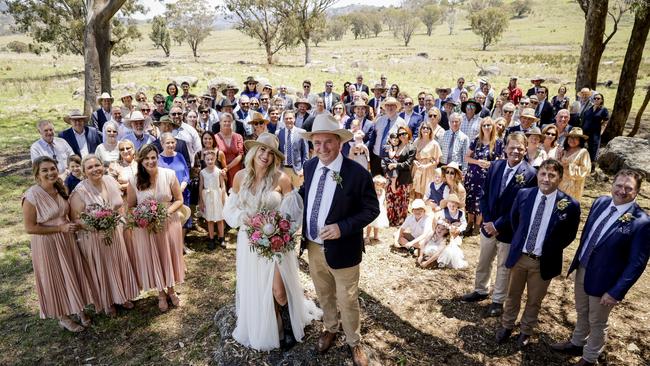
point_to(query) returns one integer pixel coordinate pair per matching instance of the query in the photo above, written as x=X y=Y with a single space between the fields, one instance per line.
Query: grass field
x=33 y=87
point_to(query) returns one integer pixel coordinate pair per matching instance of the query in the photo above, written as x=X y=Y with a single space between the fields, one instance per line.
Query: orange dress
x=61 y=285
x=159 y=256
x=109 y=267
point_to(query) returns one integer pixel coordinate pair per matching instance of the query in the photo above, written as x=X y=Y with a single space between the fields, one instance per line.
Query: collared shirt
x=122 y=130
x=188 y=134
x=107 y=114
x=416 y=227
x=327 y=97
x=407 y=117
x=471 y=127
x=300 y=119
x=455 y=94
x=380 y=125
x=287 y=148
x=512 y=173
x=81 y=142
x=139 y=142
x=327 y=194
x=459 y=150
x=620 y=210
x=59 y=150
x=546 y=217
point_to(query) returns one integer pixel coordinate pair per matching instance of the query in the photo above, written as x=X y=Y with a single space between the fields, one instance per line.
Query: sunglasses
x=306 y=86
x=204 y=112
x=551 y=134
x=125 y=148
x=192 y=101
x=508 y=112
x=403 y=134
x=159 y=102
x=598 y=98
x=420 y=98
x=257 y=123
x=541 y=92
x=408 y=103
x=145 y=110
x=450 y=172
x=471 y=106
x=505 y=94
x=176 y=114
x=264 y=99
x=141 y=99
x=329 y=86
x=255 y=104
x=523 y=103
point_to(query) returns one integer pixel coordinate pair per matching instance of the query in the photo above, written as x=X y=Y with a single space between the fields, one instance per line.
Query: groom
x=339 y=202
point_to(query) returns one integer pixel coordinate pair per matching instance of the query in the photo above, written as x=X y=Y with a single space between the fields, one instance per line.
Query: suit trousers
x=524 y=274
x=296 y=180
x=491 y=248
x=336 y=287
x=591 y=325
x=375 y=165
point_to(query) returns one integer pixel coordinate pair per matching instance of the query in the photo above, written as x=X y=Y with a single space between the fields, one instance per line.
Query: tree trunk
x=269 y=54
x=307 y=51
x=639 y=113
x=104 y=48
x=627 y=80
x=592 y=45
x=92 y=71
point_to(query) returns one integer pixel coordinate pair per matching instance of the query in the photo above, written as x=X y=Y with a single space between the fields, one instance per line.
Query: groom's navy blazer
x=621 y=254
x=561 y=230
x=354 y=206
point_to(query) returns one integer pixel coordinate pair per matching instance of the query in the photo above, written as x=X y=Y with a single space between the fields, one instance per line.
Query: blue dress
x=475 y=177
x=179 y=166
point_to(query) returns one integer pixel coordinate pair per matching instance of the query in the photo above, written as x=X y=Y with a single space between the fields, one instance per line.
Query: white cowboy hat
x=418 y=203
x=326 y=123
x=268 y=140
x=105 y=95
x=75 y=114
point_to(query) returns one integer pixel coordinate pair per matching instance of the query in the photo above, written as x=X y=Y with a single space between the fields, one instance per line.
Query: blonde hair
x=247 y=196
x=89 y=157
x=493 y=134
x=126 y=142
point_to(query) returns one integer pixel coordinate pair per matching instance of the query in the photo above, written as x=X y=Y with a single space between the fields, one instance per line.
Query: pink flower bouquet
x=102 y=219
x=271 y=234
x=148 y=214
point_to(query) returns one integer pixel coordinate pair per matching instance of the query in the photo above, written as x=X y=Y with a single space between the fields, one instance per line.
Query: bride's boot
x=288 y=341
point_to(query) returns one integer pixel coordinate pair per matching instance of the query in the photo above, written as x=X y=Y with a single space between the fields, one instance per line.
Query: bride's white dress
x=257 y=325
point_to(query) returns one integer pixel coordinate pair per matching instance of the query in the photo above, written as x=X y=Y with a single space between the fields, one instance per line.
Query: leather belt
x=532 y=256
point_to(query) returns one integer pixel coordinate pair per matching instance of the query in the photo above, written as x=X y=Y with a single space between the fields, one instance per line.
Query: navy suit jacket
x=621 y=254
x=444 y=120
x=496 y=207
x=414 y=123
x=93 y=139
x=99 y=118
x=561 y=230
x=354 y=206
x=546 y=114
x=299 y=146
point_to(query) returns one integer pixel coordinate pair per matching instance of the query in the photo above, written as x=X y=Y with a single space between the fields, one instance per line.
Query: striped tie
x=313 y=217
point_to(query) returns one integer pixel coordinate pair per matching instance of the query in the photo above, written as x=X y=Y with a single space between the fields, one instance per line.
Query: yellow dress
x=576 y=168
x=426 y=156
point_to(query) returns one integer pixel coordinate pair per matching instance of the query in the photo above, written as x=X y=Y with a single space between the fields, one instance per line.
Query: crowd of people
x=445 y=166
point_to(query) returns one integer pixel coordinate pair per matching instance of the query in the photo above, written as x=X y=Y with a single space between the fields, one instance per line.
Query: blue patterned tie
x=289 y=148
x=534 y=230
x=584 y=260
x=382 y=151
x=313 y=218
x=504 y=180
x=450 y=151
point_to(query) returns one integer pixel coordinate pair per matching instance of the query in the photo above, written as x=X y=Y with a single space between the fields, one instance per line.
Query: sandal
x=70 y=325
x=173 y=298
x=162 y=303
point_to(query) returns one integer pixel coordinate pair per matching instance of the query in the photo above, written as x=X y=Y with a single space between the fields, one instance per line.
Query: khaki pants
x=296 y=180
x=336 y=287
x=524 y=274
x=591 y=325
x=491 y=248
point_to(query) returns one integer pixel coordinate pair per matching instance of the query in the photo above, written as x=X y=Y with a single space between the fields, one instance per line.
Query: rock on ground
x=190 y=79
x=626 y=152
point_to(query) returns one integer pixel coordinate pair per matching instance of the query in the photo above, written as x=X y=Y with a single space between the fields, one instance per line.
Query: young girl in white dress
x=213 y=195
x=381 y=222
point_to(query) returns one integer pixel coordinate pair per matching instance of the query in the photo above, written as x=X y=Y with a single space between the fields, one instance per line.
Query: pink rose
x=285 y=225
x=256 y=221
x=142 y=223
x=277 y=243
x=256 y=236
x=286 y=238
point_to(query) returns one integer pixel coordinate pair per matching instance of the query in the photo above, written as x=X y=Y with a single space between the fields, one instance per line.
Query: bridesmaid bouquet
x=148 y=214
x=102 y=219
x=270 y=234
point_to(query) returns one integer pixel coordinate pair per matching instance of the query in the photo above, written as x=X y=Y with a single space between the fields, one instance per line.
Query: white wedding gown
x=257 y=325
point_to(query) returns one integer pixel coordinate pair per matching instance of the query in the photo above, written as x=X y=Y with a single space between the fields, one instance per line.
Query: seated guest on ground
x=125 y=167
x=454 y=215
x=381 y=222
x=82 y=139
x=576 y=162
x=562 y=124
x=76 y=175
x=414 y=227
x=170 y=159
x=138 y=136
x=433 y=243
x=295 y=149
x=436 y=191
x=549 y=136
x=212 y=196
x=107 y=151
x=232 y=144
x=427 y=157
x=535 y=153
x=51 y=146
x=103 y=113
x=594 y=122
x=454 y=180
x=454 y=143
x=544 y=221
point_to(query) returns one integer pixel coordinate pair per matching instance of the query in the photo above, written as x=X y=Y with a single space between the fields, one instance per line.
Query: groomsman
x=504 y=179
x=545 y=221
x=294 y=147
x=613 y=253
x=329 y=97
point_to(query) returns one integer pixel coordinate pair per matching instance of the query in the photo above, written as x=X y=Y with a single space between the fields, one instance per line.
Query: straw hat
x=126 y=94
x=268 y=140
x=451 y=198
x=230 y=87
x=453 y=165
x=438 y=90
x=378 y=87
x=326 y=123
x=75 y=114
x=528 y=113
x=105 y=95
x=132 y=117
x=257 y=117
x=184 y=214
x=577 y=132
x=418 y=203
x=391 y=101
x=302 y=101
x=477 y=109
x=534 y=131
x=360 y=103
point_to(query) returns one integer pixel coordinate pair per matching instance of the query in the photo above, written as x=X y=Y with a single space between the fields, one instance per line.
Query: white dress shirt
x=327 y=195
x=512 y=173
x=188 y=134
x=59 y=150
x=620 y=210
x=81 y=142
x=380 y=125
x=546 y=217
x=416 y=227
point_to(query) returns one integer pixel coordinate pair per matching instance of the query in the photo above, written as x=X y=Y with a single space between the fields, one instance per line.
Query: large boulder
x=626 y=152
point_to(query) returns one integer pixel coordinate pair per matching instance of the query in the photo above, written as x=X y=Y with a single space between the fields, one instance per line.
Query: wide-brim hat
x=528 y=113
x=577 y=132
x=302 y=101
x=227 y=103
x=534 y=131
x=418 y=203
x=184 y=214
x=250 y=79
x=257 y=117
x=126 y=94
x=132 y=117
x=391 y=101
x=230 y=87
x=360 y=103
x=438 y=90
x=326 y=123
x=207 y=96
x=378 y=87
x=267 y=140
x=451 y=198
x=166 y=119
x=450 y=100
x=105 y=95
x=478 y=105
x=453 y=165
x=75 y=114
x=537 y=78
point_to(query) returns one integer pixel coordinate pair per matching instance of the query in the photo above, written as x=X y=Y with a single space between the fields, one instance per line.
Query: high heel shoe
x=70 y=325
x=162 y=303
x=174 y=299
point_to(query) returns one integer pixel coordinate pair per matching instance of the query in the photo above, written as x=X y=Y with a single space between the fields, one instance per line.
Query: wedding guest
x=432 y=245
x=535 y=154
x=76 y=175
x=259 y=124
x=453 y=215
x=159 y=110
x=399 y=196
x=414 y=227
x=471 y=122
x=576 y=162
x=594 y=122
x=508 y=116
x=107 y=151
x=127 y=103
x=381 y=222
x=103 y=113
x=454 y=181
x=61 y=284
x=544 y=221
x=549 y=136
x=612 y=256
x=159 y=254
x=185 y=132
x=209 y=144
x=212 y=188
x=561 y=100
x=433 y=118
x=174 y=161
x=515 y=92
x=232 y=144
x=436 y=191
x=358 y=151
x=385 y=124
x=427 y=157
x=109 y=268
x=294 y=147
x=338 y=110
x=454 y=143
x=527 y=120
x=51 y=146
x=82 y=139
x=138 y=136
x=125 y=166
x=500 y=124
x=562 y=119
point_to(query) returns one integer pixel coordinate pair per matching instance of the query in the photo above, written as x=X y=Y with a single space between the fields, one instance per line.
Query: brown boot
x=325 y=341
x=359 y=357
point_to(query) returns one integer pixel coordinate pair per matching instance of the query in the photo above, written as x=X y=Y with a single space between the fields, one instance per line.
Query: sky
x=157 y=7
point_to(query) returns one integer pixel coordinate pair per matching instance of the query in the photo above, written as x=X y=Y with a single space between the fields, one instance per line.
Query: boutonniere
x=562 y=204
x=626 y=217
x=336 y=177
x=520 y=179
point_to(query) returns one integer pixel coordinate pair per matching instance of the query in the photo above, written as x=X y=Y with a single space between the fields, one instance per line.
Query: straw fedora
x=126 y=94
x=529 y=113
x=105 y=95
x=378 y=87
x=302 y=101
x=166 y=119
x=577 y=132
x=438 y=90
x=230 y=87
x=477 y=109
x=453 y=165
x=534 y=131
x=360 y=103
x=391 y=101
x=267 y=140
x=418 y=203
x=184 y=214
x=326 y=123
x=257 y=117
x=451 y=198
x=75 y=114
x=132 y=117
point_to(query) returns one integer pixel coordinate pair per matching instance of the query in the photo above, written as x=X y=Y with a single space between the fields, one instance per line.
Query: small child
x=76 y=175
x=436 y=191
x=414 y=228
x=391 y=149
x=211 y=200
x=432 y=245
x=454 y=215
x=359 y=151
x=381 y=222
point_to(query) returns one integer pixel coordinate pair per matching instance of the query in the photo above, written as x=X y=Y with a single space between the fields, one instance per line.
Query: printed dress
x=476 y=176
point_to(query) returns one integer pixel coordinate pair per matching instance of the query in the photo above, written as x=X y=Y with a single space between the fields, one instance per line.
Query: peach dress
x=109 y=267
x=159 y=256
x=124 y=175
x=425 y=155
x=62 y=286
x=577 y=167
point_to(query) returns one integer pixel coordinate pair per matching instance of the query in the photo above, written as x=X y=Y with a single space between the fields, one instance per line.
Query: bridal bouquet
x=102 y=219
x=271 y=234
x=148 y=214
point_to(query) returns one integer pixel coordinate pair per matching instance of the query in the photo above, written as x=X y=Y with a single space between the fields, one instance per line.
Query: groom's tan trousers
x=336 y=287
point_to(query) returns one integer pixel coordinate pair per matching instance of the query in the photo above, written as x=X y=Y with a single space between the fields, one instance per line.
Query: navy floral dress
x=475 y=176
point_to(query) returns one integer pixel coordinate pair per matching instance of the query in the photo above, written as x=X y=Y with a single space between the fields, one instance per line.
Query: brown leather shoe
x=583 y=362
x=567 y=348
x=325 y=341
x=359 y=357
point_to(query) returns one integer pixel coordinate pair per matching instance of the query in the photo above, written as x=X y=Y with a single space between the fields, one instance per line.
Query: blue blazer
x=299 y=146
x=621 y=254
x=414 y=123
x=496 y=207
x=93 y=139
x=562 y=229
x=354 y=206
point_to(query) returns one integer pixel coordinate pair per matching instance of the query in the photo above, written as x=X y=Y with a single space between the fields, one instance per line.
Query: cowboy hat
x=360 y=103
x=478 y=106
x=451 y=198
x=438 y=90
x=303 y=101
x=126 y=94
x=184 y=214
x=391 y=101
x=577 y=132
x=226 y=103
x=514 y=77
x=267 y=140
x=534 y=131
x=529 y=113
x=250 y=79
x=326 y=123
x=166 y=119
x=450 y=100
x=230 y=87
x=132 y=117
x=257 y=117
x=378 y=87
x=105 y=95
x=418 y=203
x=75 y=114
x=538 y=78
x=453 y=165
x=207 y=96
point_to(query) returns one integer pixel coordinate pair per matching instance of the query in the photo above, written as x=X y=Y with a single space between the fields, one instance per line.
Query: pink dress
x=159 y=256
x=109 y=267
x=62 y=286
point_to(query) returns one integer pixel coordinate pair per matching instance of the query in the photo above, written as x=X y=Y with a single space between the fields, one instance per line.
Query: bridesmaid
x=159 y=256
x=61 y=285
x=109 y=267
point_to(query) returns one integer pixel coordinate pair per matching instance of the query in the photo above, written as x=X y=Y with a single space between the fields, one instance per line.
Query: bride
x=271 y=308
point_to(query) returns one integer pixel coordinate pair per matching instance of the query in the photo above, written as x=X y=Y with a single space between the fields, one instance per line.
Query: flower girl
x=381 y=222
x=213 y=195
